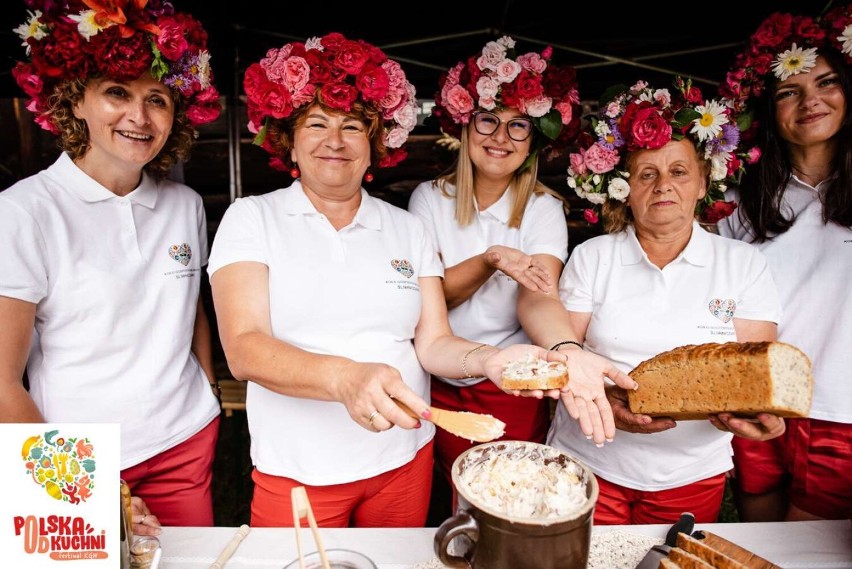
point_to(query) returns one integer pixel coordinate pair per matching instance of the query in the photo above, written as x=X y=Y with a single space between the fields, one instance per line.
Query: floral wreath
x=343 y=71
x=645 y=118
x=499 y=78
x=785 y=45
x=119 y=39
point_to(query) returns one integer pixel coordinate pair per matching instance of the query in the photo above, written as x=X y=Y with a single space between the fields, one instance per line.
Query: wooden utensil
x=301 y=509
x=231 y=547
x=471 y=426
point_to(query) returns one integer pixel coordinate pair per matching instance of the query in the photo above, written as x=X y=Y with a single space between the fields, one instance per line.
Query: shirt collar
x=696 y=252
x=70 y=176
x=501 y=209
x=296 y=202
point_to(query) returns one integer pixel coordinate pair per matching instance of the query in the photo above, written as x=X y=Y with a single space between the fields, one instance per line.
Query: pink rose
x=753 y=155
x=578 y=165
x=171 y=41
x=458 y=101
x=591 y=216
x=565 y=109
x=537 y=107
x=532 y=62
x=295 y=73
x=507 y=70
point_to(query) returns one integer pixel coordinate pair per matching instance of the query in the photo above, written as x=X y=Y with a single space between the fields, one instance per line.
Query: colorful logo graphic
x=64 y=467
x=181 y=253
x=403 y=267
x=723 y=309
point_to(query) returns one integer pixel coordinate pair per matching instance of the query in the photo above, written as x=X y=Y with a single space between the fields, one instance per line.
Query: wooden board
x=734 y=551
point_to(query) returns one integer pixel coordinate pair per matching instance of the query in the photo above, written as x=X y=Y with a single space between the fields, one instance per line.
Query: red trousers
x=812 y=459
x=618 y=505
x=176 y=484
x=397 y=498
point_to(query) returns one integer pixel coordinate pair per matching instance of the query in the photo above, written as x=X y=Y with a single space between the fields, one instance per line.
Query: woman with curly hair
x=102 y=259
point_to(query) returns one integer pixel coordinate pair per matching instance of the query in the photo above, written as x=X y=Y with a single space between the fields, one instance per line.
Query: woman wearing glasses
x=501 y=233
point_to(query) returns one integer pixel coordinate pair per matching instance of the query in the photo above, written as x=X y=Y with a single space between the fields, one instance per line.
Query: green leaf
x=611 y=93
x=159 y=67
x=261 y=134
x=685 y=116
x=744 y=121
x=550 y=124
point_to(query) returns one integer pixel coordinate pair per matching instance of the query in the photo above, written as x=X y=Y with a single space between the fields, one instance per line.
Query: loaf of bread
x=702 y=550
x=744 y=378
x=686 y=560
x=534 y=373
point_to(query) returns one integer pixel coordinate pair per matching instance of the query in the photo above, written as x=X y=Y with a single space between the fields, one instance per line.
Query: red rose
x=351 y=57
x=717 y=211
x=203 y=114
x=694 y=96
x=373 y=82
x=527 y=85
x=65 y=55
x=649 y=130
x=807 y=29
x=559 y=80
x=254 y=79
x=775 y=29
x=394 y=157
x=171 y=41
x=274 y=100
x=28 y=79
x=339 y=95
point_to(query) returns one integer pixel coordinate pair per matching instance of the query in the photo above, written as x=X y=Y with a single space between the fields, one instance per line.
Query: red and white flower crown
x=784 y=45
x=342 y=71
x=498 y=78
x=119 y=39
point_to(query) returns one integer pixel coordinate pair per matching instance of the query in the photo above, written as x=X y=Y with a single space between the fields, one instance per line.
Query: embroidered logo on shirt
x=403 y=267
x=181 y=253
x=723 y=309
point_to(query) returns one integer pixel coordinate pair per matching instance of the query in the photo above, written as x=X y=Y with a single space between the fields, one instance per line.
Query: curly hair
x=74 y=133
x=617 y=215
x=763 y=185
x=280 y=132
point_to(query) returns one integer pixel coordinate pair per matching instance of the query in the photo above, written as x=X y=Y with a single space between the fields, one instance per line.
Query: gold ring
x=144 y=517
x=372 y=416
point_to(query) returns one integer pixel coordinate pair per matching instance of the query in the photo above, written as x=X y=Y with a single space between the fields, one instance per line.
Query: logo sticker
x=723 y=309
x=181 y=253
x=403 y=267
x=64 y=467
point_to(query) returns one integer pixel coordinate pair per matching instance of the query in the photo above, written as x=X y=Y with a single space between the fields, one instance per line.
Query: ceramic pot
x=493 y=540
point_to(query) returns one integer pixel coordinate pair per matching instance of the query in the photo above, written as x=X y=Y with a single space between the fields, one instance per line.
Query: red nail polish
x=427 y=414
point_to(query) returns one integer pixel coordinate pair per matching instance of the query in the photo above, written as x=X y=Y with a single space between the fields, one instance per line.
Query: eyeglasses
x=519 y=129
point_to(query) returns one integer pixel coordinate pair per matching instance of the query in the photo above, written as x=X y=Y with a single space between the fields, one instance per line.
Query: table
x=792 y=545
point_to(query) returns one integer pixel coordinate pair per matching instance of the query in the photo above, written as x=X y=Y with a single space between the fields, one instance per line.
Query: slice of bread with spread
x=744 y=378
x=534 y=373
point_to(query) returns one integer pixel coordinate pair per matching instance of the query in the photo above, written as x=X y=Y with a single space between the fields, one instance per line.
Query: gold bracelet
x=464 y=360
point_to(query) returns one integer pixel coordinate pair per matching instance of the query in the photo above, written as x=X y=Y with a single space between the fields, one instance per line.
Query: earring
x=368 y=177
x=294 y=172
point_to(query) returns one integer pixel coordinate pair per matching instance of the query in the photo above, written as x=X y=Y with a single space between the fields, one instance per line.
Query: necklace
x=813 y=178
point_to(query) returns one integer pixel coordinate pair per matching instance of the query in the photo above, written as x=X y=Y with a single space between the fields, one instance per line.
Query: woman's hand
x=144 y=522
x=527 y=271
x=768 y=426
x=368 y=390
x=585 y=396
x=631 y=422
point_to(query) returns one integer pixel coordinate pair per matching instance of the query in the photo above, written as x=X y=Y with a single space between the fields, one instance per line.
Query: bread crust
x=694 y=381
x=703 y=551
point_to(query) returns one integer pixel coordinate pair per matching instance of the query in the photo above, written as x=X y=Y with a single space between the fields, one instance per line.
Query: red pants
x=618 y=505
x=176 y=484
x=398 y=498
x=812 y=459
x=526 y=418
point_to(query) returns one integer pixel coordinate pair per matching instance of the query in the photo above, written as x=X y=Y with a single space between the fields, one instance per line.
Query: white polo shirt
x=116 y=283
x=490 y=314
x=639 y=311
x=352 y=293
x=812 y=266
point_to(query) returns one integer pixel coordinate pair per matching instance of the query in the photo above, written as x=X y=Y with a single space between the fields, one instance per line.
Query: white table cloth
x=792 y=545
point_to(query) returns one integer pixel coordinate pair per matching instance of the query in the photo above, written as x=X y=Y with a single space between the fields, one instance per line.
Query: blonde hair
x=524 y=184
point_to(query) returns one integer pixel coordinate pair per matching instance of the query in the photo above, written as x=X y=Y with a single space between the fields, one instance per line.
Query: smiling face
x=128 y=123
x=331 y=150
x=665 y=185
x=497 y=156
x=810 y=107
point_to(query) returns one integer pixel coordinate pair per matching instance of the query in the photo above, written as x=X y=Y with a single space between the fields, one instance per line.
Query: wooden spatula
x=471 y=426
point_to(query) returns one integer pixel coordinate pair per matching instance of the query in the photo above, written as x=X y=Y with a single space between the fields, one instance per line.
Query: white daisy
x=86 y=23
x=794 y=61
x=846 y=40
x=32 y=29
x=709 y=124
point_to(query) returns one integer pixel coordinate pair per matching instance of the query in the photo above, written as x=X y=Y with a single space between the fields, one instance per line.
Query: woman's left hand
x=144 y=522
x=768 y=426
x=524 y=269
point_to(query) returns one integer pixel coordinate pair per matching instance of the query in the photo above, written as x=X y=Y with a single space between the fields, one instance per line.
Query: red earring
x=368 y=177
x=294 y=172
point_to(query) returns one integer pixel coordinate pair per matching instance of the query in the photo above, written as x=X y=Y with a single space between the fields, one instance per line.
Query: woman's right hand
x=523 y=268
x=368 y=389
x=631 y=422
